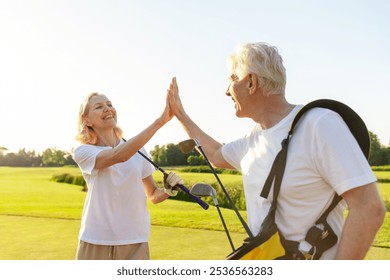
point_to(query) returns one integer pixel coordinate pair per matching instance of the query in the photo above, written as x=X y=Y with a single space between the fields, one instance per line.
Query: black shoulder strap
x=351 y=118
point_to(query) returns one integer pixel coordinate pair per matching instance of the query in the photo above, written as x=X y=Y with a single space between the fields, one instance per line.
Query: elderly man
x=323 y=158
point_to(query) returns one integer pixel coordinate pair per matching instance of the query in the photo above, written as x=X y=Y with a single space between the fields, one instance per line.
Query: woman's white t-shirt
x=115 y=209
x=323 y=158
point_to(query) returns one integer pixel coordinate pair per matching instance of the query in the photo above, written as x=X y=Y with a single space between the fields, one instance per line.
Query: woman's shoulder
x=85 y=150
x=83 y=147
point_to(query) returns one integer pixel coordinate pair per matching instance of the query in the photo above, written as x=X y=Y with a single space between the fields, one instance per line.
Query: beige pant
x=87 y=251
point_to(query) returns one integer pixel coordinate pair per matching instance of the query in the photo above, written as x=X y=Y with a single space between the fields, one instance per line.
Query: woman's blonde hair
x=86 y=134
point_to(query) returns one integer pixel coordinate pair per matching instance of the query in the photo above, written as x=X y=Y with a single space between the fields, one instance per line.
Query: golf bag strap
x=355 y=124
x=320 y=237
x=335 y=201
x=277 y=170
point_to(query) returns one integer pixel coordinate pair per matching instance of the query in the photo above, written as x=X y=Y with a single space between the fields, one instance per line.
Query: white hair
x=265 y=62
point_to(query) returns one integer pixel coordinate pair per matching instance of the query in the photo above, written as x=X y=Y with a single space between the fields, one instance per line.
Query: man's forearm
x=365 y=217
x=209 y=144
x=356 y=238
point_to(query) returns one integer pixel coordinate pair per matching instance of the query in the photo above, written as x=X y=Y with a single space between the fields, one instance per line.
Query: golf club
x=186 y=147
x=204 y=205
x=204 y=190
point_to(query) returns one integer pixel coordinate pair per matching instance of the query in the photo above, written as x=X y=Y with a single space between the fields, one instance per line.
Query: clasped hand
x=171 y=183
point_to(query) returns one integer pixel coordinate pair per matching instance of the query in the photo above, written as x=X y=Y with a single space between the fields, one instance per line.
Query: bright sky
x=54 y=53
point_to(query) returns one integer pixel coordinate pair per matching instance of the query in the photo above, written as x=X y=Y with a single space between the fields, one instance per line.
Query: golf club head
x=203 y=190
x=187 y=146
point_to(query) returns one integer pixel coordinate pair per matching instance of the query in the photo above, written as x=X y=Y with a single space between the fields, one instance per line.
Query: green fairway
x=40 y=219
x=30 y=238
x=27 y=238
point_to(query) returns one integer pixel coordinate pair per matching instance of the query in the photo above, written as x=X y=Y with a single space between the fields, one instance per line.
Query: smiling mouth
x=108 y=117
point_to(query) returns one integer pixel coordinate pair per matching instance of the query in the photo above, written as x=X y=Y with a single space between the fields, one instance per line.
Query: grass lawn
x=31 y=238
x=40 y=219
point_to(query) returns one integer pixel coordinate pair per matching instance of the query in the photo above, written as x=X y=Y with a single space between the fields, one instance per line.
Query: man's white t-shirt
x=115 y=209
x=323 y=158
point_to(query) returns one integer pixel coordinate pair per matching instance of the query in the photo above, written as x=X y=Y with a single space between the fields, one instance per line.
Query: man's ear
x=252 y=83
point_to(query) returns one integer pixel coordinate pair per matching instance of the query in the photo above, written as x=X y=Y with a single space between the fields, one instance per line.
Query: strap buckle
x=307 y=250
x=308 y=256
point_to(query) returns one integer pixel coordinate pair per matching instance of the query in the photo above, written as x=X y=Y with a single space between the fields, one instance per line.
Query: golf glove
x=171 y=183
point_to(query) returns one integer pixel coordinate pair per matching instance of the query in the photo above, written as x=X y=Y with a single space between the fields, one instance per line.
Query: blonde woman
x=115 y=221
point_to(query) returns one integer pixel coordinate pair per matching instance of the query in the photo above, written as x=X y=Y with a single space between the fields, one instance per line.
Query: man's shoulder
x=329 y=110
x=318 y=115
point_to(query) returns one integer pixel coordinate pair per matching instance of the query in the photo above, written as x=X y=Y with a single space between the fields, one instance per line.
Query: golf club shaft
x=225 y=227
x=183 y=188
x=248 y=231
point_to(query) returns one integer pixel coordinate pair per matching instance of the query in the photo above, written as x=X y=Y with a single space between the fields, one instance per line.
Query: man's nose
x=228 y=91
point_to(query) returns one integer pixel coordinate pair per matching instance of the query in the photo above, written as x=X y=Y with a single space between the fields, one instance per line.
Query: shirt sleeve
x=337 y=155
x=147 y=167
x=85 y=157
x=234 y=151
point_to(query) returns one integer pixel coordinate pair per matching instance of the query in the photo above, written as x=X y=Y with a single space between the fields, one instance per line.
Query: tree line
x=166 y=155
x=379 y=154
x=51 y=157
